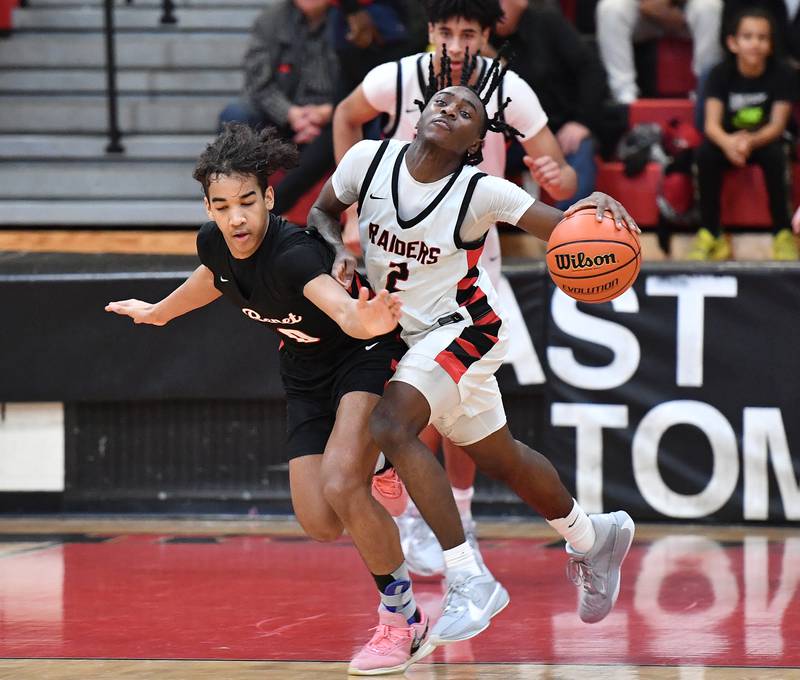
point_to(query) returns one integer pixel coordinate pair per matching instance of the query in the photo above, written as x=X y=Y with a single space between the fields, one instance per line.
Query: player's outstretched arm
x=350 y=115
x=362 y=318
x=198 y=290
x=324 y=216
x=541 y=219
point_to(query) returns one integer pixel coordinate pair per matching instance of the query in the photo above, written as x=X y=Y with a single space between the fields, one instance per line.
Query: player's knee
x=388 y=432
x=502 y=462
x=339 y=489
x=321 y=530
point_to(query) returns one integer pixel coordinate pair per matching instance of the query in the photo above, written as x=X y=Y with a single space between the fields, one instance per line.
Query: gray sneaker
x=469 y=605
x=597 y=572
x=422 y=550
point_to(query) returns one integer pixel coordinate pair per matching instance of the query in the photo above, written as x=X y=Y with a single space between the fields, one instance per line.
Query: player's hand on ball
x=138 y=310
x=605 y=203
x=380 y=314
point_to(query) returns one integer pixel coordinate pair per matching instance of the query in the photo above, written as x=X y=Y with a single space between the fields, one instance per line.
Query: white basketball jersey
x=422 y=259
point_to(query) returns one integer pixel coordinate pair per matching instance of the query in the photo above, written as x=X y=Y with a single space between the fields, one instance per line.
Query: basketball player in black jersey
x=338 y=349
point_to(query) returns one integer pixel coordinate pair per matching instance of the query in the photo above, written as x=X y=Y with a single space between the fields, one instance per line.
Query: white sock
x=461 y=561
x=576 y=528
x=464 y=502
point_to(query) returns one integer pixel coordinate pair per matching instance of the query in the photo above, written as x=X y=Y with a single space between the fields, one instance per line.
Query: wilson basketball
x=593 y=261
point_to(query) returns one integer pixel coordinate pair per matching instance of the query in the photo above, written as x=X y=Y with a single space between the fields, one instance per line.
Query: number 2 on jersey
x=399 y=272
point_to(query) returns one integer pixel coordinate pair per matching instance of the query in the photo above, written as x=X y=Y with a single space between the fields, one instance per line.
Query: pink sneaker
x=395 y=645
x=390 y=492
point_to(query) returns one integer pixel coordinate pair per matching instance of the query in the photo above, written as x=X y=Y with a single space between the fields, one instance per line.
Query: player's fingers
x=119 y=307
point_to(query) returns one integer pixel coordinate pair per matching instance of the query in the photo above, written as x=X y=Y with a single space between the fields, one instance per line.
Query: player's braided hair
x=240 y=150
x=484 y=89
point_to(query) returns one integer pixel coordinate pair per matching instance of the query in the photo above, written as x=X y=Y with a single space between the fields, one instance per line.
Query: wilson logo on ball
x=579 y=260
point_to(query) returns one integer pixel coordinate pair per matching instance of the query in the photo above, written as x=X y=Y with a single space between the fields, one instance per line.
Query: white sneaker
x=469 y=605
x=421 y=548
x=597 y=572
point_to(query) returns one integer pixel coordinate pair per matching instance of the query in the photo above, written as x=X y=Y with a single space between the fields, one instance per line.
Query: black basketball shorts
x=311 y=405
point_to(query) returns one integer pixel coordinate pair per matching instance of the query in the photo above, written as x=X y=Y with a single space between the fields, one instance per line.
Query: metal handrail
x=114 y=145
x=114 y=135
x=167 y=17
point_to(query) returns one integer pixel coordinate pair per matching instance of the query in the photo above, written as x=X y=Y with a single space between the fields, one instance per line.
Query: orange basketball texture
x=593 y=261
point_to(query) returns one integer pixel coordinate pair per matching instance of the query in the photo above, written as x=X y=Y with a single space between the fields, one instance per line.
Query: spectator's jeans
x=316 y=158
x=711 y=165
x=619 y=25
x=582 y=161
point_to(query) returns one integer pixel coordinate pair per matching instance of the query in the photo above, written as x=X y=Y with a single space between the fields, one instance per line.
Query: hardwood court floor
x=253 y=599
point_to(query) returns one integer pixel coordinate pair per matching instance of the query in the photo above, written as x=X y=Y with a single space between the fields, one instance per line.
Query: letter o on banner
x=723 y=447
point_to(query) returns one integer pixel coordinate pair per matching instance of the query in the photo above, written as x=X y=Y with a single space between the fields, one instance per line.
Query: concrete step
x=166 y=49
x=181 y=213
x=111 y=179
x=88 y=114
x=72 y=147
x=132 y=16
x=68 y=81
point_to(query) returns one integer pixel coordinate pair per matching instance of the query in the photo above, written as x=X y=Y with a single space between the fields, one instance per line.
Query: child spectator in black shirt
x=747 y=110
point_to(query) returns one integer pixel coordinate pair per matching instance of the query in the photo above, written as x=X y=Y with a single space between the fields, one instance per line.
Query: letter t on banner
x=691 y=292
x=589 y=421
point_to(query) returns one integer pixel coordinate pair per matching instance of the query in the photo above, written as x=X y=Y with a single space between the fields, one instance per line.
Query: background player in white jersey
x=459 y=27
x=424 y=212
x=279 y=276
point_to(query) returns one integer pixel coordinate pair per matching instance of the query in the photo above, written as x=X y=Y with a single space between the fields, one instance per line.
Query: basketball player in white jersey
x=456 y=26
x=424 y=211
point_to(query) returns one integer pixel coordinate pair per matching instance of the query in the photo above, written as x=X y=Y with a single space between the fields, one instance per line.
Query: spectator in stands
x=566 y=75
x=747 y=108
x=306 y=55
x=787 y=23
x=370 y=32
x=796 y=222
x=620 y=23
x=291 y=72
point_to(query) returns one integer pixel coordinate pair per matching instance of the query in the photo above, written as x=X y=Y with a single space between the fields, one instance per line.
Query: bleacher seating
x=744 y=195
x=173 y=80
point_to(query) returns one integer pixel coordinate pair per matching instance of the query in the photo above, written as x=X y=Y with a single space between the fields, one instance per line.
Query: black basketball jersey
x=287 y=259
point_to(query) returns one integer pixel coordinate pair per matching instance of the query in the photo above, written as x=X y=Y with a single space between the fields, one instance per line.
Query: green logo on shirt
x=748 y=117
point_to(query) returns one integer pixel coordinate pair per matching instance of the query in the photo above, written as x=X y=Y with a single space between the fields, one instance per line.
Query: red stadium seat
x=660 y=111
x=299 y=213
x=6 y=8
x=637 y=193
x=744 y=197
x=743 y=202
x=674 y=77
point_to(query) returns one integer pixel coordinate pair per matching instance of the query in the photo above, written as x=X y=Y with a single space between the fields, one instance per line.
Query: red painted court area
x=685 y=599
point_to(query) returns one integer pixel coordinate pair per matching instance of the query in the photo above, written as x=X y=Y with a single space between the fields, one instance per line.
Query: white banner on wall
x=32 y=447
